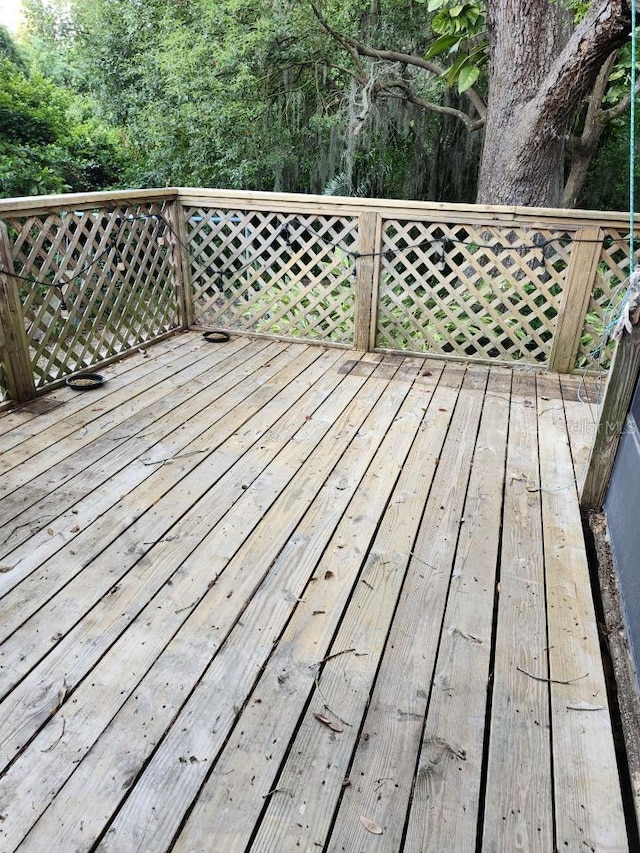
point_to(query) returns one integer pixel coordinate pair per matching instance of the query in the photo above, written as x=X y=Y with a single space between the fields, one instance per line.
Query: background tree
x=540 y=70
x=49 y=141
x=538 y=78
x=250 y=94
x=442 y=99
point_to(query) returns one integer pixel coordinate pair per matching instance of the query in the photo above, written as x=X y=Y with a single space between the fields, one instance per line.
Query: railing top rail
x=32 y=205
x=531 y=216
x=294 y=202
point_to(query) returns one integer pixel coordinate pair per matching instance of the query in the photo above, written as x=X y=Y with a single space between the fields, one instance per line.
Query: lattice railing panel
x=99 y=283
x=608 y=292
x=475 y=291
x=275 y=273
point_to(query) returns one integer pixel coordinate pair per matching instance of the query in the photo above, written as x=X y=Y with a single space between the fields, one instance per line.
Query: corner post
x=14 y=345
x=181 y=263
x=367 y=272
x=581 y=277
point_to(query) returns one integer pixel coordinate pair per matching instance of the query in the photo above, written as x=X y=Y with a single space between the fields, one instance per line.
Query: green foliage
x=607 y=183
x=32 y=110
x=620 y=78
x=460 y=30
x=253 y=94
x=49 y=142
x=241 y=93
x=9 y=51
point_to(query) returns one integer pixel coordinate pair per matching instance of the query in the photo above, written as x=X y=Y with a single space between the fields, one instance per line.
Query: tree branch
x=409 y=95
x=592 y=119
x=605 y=27
x=357 y=49
x=583 y=148
x=621 y=107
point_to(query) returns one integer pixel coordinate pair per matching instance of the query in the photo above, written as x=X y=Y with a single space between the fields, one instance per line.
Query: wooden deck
x=276 y=597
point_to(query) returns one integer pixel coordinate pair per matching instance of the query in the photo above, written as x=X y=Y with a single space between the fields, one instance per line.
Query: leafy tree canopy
x=49 y=140
x=343 y=96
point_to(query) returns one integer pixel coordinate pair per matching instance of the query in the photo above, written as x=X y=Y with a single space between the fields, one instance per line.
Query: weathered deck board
x=343 y=679
x=381 y=777
x=446 y=796
x=581 y=396
x=36 y=500
x=269 y=532
x=518 y=805
x=577 y=689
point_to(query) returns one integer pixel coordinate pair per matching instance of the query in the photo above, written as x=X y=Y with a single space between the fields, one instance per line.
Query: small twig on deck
x=172 y=458
x=326 y=704
x=277 y=791
x=420 y=560
x=329 y=657
x=19 y=527
x=188 y=607
x=551 y=409
x=551 y=680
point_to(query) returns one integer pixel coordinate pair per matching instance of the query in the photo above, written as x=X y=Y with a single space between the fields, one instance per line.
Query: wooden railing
x=87 y=278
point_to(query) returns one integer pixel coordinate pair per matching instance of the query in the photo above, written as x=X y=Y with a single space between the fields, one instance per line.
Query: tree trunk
x=537 y=79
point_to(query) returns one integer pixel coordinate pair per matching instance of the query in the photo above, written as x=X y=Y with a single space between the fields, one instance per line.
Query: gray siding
x=622 y=508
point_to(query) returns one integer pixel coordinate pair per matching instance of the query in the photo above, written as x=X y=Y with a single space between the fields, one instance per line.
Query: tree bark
x=537 y=79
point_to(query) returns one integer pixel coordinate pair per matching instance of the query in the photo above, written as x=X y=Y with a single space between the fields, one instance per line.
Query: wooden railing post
x=621 y=384
x=181 y=262
x=13 y=338
x=581 y=277
x=367 y=272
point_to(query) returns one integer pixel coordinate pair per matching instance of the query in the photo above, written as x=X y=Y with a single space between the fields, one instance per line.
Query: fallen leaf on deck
x=329 y=723
x=75 y=528
x=328 y=575
x=584 y=706
x=371 y=826
x=50 y=531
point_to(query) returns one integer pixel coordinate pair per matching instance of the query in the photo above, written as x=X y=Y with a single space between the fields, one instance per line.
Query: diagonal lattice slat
x=470 y=290
x=103 y=283
x=282 y=274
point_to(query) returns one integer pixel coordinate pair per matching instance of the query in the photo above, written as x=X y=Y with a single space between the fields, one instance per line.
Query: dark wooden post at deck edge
x=621 y=383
